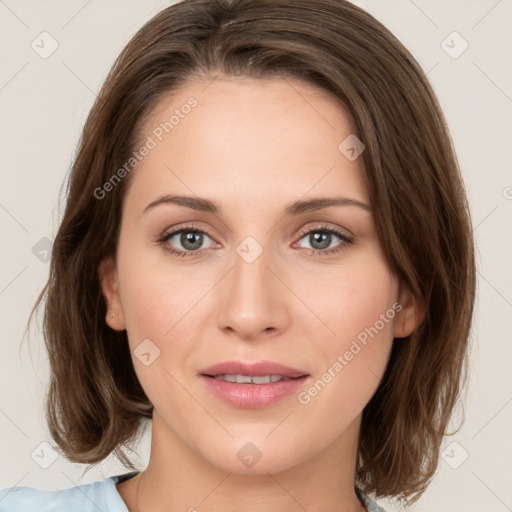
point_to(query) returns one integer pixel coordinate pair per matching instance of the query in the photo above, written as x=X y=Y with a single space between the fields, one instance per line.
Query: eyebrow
x=295 y=208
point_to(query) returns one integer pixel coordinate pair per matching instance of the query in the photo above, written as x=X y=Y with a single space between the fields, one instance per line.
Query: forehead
x=247 y=138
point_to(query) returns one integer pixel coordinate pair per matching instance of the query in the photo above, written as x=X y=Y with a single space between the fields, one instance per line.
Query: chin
x=257 y=455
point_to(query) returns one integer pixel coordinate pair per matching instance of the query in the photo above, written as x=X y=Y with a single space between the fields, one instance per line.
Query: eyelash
x=191 y=228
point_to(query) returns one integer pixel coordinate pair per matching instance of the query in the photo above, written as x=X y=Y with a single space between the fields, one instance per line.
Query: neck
x=177 y=478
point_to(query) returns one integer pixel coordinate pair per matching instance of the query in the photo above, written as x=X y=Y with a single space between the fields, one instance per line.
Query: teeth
x=246 y=379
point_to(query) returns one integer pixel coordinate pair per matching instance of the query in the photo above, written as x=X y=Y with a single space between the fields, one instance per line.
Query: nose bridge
x=252 y=301
x=250 y=276
x=251 y=265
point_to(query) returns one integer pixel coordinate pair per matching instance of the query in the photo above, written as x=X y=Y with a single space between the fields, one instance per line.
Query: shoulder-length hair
x=95 y=403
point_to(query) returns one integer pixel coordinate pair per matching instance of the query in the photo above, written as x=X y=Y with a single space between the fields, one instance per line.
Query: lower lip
x=252 y=396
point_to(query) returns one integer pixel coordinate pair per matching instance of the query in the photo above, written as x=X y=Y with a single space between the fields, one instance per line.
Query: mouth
x=252 y=369
x=247 y=379
x=252 y=385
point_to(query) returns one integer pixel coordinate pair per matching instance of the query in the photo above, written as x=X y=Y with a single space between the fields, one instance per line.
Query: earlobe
x=109 y=286
x=410 y=316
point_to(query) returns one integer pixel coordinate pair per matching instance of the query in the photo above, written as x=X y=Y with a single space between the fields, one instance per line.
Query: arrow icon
x=454 y=45
x=42 y=249
x=147 y=352
x=243 y=249
x=351 y=147
x=44 y=44
x=454 y=455
x=249 y=455
x=44 y=455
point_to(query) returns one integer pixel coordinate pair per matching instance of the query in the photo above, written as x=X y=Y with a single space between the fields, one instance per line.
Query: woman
x=267 y=251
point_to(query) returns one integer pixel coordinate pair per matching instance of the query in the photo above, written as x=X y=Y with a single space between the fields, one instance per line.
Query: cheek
x=357 y=308
x=350 y=298
x=159 y=298
x=153 y=301
x=164 y=308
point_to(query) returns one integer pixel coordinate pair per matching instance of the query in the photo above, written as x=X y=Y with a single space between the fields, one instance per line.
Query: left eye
x=322 y=239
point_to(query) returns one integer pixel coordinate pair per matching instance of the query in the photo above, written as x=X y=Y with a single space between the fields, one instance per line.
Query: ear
x=109 y=286
x=411 y=314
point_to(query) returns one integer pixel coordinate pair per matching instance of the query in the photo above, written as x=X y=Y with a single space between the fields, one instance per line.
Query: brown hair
x=95 y=403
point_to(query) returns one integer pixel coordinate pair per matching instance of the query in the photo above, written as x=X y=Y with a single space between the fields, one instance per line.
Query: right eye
x=188 y=239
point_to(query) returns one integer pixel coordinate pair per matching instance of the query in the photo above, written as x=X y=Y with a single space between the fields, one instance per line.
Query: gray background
x=44 y=103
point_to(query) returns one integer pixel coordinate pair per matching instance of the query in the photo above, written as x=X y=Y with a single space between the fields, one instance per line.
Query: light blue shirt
x=99 y=496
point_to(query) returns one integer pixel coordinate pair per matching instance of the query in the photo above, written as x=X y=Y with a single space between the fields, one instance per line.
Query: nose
x=253 y=300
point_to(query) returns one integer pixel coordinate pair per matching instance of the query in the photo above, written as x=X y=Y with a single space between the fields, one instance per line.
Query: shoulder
x=368 y=503
x=96 y=496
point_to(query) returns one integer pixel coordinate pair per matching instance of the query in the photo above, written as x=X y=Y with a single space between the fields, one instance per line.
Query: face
x=249 y=266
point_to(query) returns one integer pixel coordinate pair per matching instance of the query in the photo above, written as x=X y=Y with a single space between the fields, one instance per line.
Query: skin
x=253 y=147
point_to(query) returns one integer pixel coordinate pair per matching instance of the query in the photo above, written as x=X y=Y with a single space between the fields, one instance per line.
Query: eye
x=185 y=241
x=190 y=240
x=323 y=240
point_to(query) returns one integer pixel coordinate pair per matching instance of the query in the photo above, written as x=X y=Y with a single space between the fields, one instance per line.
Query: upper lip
x=252 y=369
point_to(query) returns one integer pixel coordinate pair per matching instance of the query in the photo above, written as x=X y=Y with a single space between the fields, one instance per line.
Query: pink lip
x=252 y=369
x=252 y=396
